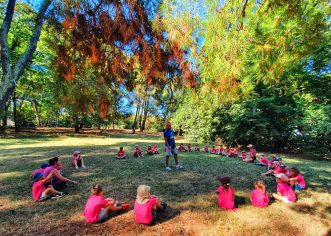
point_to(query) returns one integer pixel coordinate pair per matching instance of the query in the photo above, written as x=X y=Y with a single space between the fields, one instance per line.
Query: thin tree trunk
x=141 y=114
x=145 y=116
x=136 y=118
x=36 y=112
x=15 y=112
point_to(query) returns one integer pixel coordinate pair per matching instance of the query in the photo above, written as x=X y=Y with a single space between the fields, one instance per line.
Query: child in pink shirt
x=137 y=152
x=97 y=207
x=284 y=192
x=149 y=150
x=213 y=150
x=263 y=161
x=221 y=151
x=155 y=149
x=259 y=196
x=206 y=149
x=39 y=191
x=188 y=148
x=77 y=160
x=225 y=194
x=296 y=179
x=120 y=154
x=197 y=149
x=146 y=206
x=243 y=155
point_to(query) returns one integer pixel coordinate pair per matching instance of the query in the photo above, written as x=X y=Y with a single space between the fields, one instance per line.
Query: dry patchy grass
x=193 y=209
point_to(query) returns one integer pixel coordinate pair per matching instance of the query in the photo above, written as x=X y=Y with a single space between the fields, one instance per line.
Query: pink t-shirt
x=213 y=151
x=39 y=170
x=286 y=191
x=121 y=153
x=37 y=190
x=278 y=170
x=48 y=170
x=143 y=212
x=137 y=150
x=252 y=152
x=264 y=160
x=243 y=155
x=301 y=180
x=226 y=198
x=93 y=207
x=259 y=199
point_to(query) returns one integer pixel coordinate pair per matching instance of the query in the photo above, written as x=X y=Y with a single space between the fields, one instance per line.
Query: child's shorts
x=298 y=187
x=171 y=151
x=284 y=199
x=103 y=215
x=43 y=196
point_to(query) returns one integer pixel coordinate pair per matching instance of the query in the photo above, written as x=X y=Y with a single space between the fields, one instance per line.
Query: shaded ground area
x=193 y=209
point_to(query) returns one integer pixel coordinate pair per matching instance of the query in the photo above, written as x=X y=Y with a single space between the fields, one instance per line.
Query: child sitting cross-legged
x=146 y=206
x=197 y=148
x=225 y=194
x=97 y=207
x=259 y=196
x=263 y=161
x=149 y=150
x=213 y=150
x=137 y=152
x=206 y=149
x=296 y=179
x=189 y=148
x=155 y=149
x=120 y=154
x=181 y=148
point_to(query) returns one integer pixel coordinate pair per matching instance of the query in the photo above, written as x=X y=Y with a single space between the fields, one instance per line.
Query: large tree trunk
x=12 y=73
x=5 y=116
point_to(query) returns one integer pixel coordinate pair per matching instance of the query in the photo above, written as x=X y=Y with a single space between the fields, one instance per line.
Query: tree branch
x=5 y=59
x=27 y=56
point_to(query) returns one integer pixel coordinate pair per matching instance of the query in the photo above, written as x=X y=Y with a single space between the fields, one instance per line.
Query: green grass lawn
x=190 y=192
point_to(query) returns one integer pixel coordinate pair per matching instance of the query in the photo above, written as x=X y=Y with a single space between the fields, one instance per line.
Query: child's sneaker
x=168 y=168
x=125 y=207
x=76 y=167
x=179 y=167
x=57 y=196
x=164 y=206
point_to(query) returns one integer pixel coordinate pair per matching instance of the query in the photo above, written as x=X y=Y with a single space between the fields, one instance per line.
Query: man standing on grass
x=169 y=138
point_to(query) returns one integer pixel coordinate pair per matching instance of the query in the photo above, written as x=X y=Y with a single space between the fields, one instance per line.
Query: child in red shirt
x=149 y=150
x=137 y=152
x=155 y=149
x=77 y=160
x=97 y=207
x=188 y=148
x=197 y=149
x=221 y=151
x=213 y=150
x=120 y=154
x=263 y=161
x=226 y=194
x=181 y=148
x=259 y=197
x=243 y=155
x=206 y=149
x=146 y=206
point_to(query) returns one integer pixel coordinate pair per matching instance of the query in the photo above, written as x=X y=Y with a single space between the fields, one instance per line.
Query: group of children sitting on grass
x=49 y=183
x=138 y=152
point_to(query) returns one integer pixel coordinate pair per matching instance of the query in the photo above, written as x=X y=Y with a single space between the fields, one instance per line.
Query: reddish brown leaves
x=103 y=107
x=70 y=75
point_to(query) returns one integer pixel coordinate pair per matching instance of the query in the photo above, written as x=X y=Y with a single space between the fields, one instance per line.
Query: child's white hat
x=76 y=152
x=250 y=145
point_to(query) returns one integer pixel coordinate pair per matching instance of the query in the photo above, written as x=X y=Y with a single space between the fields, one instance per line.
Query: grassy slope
x=190 y=192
